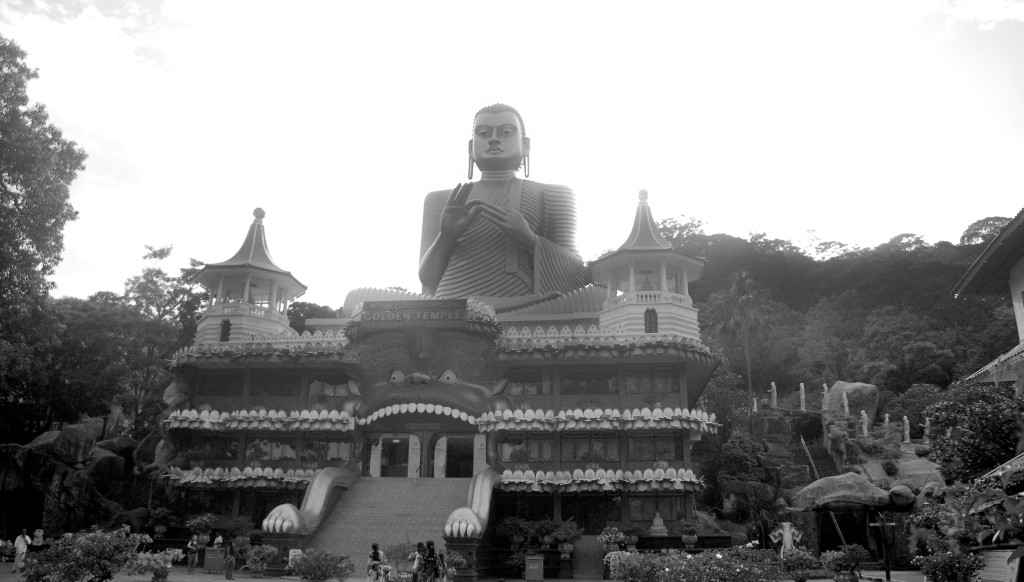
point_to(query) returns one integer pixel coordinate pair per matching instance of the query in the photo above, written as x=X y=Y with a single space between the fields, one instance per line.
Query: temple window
x=654 y=448
x=325 y=384
x=582 y=448
x=594 y=380
x=225 y=330
x=269 y=383
x=220 y=384
x=650 y=320
x=655 y=379
x=540 y=449
x=528 y=382
x=643 y=507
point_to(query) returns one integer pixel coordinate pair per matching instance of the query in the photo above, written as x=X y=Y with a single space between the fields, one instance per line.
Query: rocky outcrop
x=840 y=492
x=75 y=476
x=861 y=396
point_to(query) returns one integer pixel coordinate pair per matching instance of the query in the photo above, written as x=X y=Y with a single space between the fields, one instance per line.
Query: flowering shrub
x=610 y=538
x=156 y=563
x=320 y=565
x=797 y=559
x=94 y=557
x=725 y=565
x=258 y=556
x=454 y=561
x=845 y=559
x=950 y=567
x=201 y=524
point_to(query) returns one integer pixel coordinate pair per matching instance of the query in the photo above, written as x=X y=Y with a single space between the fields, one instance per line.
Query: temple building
x=414 y=418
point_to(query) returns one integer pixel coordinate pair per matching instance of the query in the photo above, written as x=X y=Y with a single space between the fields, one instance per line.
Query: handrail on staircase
x=831 y=513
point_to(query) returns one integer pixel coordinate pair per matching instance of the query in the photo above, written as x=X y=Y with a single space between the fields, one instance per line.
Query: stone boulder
x=860 y=395
x=840 y=492
x=73 y=445
x=902 y=496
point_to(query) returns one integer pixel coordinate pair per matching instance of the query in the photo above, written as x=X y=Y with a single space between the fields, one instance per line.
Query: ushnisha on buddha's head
x=499 y=140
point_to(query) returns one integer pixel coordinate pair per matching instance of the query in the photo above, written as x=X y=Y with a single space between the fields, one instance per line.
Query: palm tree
x=741 y=312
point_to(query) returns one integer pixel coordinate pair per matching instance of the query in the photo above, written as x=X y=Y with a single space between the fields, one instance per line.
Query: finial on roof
x=259 y=214
x=643 y=197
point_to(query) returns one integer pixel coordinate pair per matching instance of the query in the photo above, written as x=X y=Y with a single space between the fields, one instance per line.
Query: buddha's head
x=499 y=139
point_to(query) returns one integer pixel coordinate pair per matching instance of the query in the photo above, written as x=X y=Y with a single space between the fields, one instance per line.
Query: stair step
x=389 y=511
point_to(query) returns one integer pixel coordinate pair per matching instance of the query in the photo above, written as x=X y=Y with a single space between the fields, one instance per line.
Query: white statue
x=885 y=424
x=803 y=397
x=846 y=405
x=863 y=421
x=755 y=404
x=906 y=430
x=775 y=396
x=824 y=395
x=787 y=535
x=927 y=428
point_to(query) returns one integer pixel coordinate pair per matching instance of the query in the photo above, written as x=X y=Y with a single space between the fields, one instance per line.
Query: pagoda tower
x=647 y=283
x=249 y=293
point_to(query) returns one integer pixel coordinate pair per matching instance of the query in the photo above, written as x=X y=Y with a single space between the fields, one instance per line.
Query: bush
x=320 y=565
x=890 y=467
x=950 y=567
x=156 y=563
x=201 y=524
x=740 y=460
x=95 y=557
x=846 y=559
x=797 y=559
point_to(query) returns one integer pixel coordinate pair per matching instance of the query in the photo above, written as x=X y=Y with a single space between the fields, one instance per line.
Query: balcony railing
x=245 y=309
x=641 y=297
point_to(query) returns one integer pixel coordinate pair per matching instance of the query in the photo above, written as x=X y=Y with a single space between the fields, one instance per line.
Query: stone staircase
x=588 y=559
x=822 y=459
x=389 y=511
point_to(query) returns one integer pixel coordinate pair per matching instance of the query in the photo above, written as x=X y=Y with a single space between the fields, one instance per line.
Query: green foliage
x=258 y=556
x=890 y=467
x=567 y=531
x=156 y=563
x=300 y=311
x=846 y=559
x=320 y=565
x=808 y=426
x=983 y=423
x=950 y=566
x=740 y=460
x=741 y=314
x=202 y=523
x=912 y=404
x=93 y=557
x=799 y=559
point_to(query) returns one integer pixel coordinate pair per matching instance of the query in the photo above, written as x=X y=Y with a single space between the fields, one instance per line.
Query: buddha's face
x=498 y=142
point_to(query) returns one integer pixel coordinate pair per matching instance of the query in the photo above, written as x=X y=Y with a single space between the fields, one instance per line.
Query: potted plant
x=566 y=535
x=945 y=566
x=156 y=563
x=689 y=536
x=611 y=538
x=519 y=457
x=317 y=565
x=201 y=526
x=799 y=563
x=545 y=530
x=257 y=558
x=843 y=563
x=159 y=519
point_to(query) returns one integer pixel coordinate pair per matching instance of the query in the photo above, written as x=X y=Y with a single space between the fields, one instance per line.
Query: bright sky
x=858 y=120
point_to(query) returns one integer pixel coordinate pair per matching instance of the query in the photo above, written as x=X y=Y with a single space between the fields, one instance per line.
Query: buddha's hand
x=457 y=216
x=511 y=222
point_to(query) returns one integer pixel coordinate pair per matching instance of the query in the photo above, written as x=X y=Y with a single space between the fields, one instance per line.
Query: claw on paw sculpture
x=471 y=521
x=290 y=519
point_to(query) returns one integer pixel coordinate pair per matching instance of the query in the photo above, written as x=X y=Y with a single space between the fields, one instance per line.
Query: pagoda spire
x=645 y=235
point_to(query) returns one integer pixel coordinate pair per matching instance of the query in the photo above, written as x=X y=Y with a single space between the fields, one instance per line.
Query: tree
x=982 y=421
x=37 y=167
x=741 y=313
x=300 y=311
x=983 y=231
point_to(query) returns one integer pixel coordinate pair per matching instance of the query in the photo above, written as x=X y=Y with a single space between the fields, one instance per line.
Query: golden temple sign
x=428 y=313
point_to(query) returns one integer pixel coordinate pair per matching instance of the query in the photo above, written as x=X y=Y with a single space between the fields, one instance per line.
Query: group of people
x=229 y=552
x=428 y=564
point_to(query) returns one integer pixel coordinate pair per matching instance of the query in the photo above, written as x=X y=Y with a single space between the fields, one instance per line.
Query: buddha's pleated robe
x=486 y=262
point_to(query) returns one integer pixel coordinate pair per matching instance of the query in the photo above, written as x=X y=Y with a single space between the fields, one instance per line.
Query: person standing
x=376 y=564
x=20 y=549
x=430 y=565
x=417 y=560
x=192 y=548
x=229 y=560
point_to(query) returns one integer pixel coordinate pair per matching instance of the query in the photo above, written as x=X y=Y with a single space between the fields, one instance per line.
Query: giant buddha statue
x=502 y=240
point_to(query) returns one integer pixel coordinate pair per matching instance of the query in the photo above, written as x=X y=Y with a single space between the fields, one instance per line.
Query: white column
x=664 y=277
x=685 y=279
x=479 y=453
x=414 y=456
x=272 y=300
x=375 y=453
x=245 y=291
x=220 y=291
x=632 y=278
x=440 y=457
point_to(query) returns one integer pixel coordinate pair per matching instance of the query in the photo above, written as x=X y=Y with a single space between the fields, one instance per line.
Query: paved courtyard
x=180 y=574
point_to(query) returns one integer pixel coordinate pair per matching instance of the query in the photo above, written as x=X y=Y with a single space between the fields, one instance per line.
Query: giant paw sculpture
x=471 y=521
x=290 y=519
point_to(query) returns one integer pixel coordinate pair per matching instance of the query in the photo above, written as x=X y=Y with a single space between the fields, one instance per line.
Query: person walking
x=192 y=548
x=20 y=549
x=417 y=560
x=430 y=565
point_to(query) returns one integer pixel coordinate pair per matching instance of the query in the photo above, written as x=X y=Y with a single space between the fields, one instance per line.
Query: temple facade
x=413 y=418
